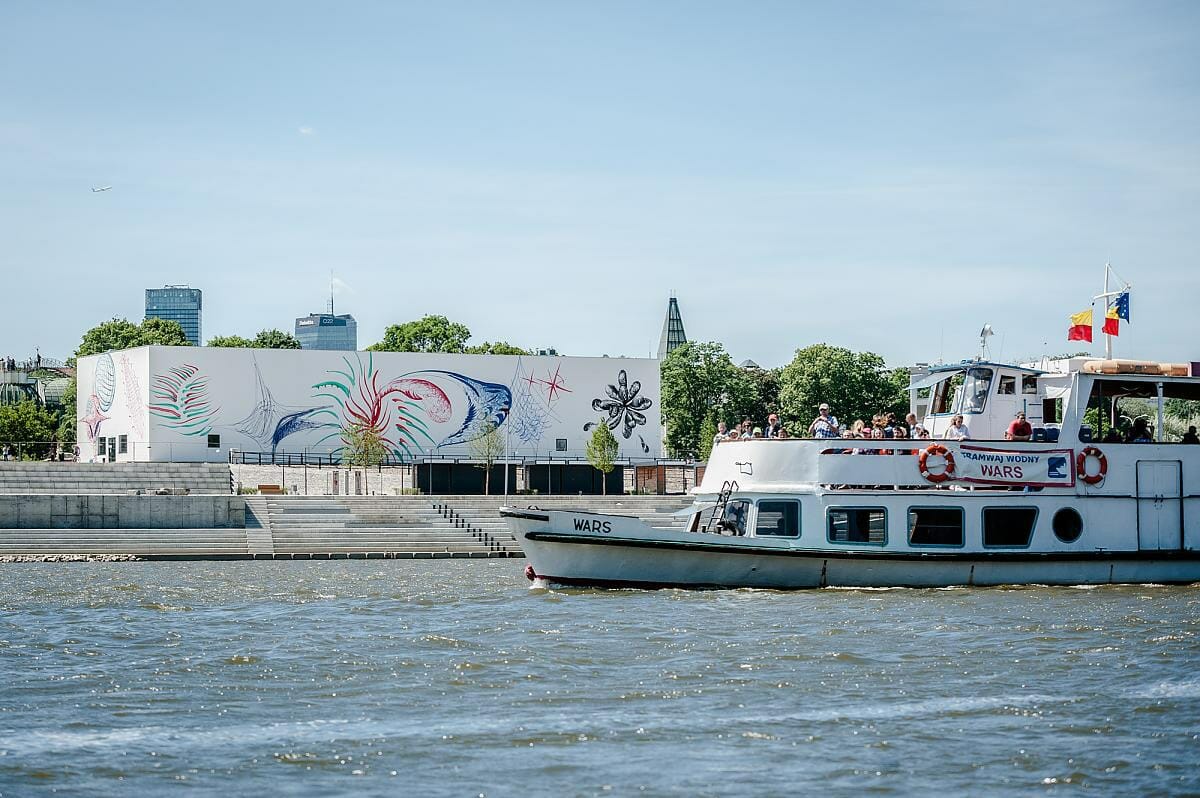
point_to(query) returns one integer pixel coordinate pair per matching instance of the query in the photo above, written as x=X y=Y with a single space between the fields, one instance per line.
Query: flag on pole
x=1081 y=326
x=1122 y=306
x=1112 y=324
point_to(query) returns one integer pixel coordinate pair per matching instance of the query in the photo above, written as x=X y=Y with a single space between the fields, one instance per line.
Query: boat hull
x=632 y=555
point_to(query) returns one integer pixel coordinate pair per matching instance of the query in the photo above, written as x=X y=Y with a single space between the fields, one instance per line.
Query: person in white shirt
x=958 y=430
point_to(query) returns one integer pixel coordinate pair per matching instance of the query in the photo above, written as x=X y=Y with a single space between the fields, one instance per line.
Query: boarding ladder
x=718 y=510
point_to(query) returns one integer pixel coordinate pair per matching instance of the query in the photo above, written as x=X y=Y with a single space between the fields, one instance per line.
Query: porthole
x=1068 y=525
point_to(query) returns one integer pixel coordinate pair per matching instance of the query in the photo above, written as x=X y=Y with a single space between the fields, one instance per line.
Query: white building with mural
x=163 y=403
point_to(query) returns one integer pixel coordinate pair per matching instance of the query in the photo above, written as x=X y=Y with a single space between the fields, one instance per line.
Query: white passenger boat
x=1065 y=507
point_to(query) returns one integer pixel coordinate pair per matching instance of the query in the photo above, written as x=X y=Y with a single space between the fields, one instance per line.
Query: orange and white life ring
x=1081 y=462
x=936 y=449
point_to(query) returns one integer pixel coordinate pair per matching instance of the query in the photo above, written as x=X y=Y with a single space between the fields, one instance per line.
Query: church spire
x=672 y=334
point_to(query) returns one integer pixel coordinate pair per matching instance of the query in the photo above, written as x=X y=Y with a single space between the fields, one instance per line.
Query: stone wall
x=122 y=512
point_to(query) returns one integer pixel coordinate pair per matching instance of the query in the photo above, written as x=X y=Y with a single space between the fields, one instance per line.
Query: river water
x=452 y=677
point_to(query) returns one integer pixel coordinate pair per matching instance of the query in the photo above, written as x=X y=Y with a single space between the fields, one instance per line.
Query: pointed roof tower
x=672 y=335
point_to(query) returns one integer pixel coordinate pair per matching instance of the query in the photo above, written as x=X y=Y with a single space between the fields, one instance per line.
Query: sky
x=882 y=176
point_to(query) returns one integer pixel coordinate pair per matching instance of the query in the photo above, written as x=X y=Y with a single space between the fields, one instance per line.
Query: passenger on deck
x=783 y=433
x=773 y=426
x=1190 y=436
x=757 y=433
x=914 y=429
x=878 y=434
x=957 y=431
x=1140 y=433
x=825 y=425
x=1019 y=429
x=722 y=433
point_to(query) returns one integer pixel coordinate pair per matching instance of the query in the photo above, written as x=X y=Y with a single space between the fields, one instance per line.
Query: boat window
x=1116 y=403
x=1068 y=525
x=944 y=392
x=734 y=518
x=1052 y=411
x=1008 y=384
x=935 y=526
x=1029 y=383
x=778 y=519
x=858 y=525
x=1008 y=527
x=975 y=390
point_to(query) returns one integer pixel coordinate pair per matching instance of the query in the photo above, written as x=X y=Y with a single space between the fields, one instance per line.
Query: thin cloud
x=305 y=130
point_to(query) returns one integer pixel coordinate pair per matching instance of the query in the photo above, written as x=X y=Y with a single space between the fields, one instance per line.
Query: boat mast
x=1107 y=337
x=1106 y=296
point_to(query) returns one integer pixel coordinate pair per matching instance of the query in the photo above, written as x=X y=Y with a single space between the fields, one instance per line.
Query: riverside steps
x=186 y=511
x=65 y=479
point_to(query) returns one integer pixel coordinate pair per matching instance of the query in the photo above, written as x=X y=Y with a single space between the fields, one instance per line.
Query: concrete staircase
x=295 y=527
x=158 y=543
x=371 y=526
x=26 y=477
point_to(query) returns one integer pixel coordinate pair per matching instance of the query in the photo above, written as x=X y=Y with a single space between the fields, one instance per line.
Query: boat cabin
x=987 y=396
x=1055 y=396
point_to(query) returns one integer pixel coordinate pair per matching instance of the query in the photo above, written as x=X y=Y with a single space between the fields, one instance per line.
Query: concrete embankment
x=39 y=527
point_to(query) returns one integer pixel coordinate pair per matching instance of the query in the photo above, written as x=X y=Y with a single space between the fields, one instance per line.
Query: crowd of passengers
x=884 y=426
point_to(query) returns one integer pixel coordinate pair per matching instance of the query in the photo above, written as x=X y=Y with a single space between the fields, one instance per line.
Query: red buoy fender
x=529 y=573
x=931 y=450
x=1081 y=462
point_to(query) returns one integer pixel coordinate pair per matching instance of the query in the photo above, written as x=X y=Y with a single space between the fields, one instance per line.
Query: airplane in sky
x=98 y=189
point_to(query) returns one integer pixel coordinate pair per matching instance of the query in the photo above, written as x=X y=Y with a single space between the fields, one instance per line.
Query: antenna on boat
x=984 y=335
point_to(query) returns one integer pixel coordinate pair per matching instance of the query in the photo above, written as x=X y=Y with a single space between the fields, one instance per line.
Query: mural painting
x=624 y=408
x=100 y=399
x=276 y=401
x=180 y=398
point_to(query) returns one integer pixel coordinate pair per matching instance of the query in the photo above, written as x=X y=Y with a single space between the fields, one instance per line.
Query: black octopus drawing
x=623 y=406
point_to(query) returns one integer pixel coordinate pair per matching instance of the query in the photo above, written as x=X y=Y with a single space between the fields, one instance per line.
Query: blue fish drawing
x=488 y=404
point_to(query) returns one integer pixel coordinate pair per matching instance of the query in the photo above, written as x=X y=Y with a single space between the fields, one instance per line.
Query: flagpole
x=1107 y=337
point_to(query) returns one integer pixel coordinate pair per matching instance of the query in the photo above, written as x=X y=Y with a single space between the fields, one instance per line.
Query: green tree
x=698 y=378
x=430 y=334
x=708 y=431
x=67 y=429
x=854 y=384
x=27 y=422
x=124 y=334
x=498 y=348
x=163 y=332
x=362 y=446
x=275 y=339
x=602 y=450
x=231 y=342
x=487 y=448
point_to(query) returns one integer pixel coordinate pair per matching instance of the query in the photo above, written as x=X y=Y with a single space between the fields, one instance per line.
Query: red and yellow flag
x=1112 y=324
x=1081 y=326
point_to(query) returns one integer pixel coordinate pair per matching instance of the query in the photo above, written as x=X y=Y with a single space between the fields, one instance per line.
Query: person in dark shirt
x=1190 y=436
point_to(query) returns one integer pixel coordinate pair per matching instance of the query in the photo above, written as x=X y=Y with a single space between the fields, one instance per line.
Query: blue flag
x=1122 y=306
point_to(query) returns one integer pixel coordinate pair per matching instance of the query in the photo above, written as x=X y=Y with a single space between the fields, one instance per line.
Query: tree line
x=701 y=386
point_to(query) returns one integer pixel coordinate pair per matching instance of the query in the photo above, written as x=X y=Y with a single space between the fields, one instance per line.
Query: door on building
x=1160 y=506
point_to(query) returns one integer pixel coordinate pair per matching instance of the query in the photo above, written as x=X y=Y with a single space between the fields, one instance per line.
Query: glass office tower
x=326 y=331
x=177 y=303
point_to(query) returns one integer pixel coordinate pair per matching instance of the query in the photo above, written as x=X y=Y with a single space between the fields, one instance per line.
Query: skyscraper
x=327 y=331
x=177 y=303
x=672 y=334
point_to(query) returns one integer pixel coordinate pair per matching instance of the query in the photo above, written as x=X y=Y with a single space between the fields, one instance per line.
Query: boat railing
x=765 y=464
